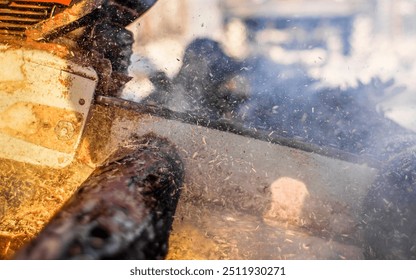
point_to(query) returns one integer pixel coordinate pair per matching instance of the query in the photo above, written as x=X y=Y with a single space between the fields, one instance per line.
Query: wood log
x=124 y=210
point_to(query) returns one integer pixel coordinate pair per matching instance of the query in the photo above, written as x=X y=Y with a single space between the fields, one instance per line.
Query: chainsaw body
x=45 y=96
x=48 y=75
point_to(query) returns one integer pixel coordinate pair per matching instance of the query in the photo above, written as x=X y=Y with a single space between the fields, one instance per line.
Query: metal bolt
x=64 y=130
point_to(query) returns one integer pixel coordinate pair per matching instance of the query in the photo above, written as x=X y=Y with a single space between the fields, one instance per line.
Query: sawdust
x=32 y=195
x=206 y=231
x=189 y=243
x=96 y=142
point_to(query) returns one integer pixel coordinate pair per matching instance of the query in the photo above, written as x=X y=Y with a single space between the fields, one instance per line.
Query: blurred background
x=339 y=42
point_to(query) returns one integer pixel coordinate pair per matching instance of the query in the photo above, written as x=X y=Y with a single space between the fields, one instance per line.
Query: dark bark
x=124 y=210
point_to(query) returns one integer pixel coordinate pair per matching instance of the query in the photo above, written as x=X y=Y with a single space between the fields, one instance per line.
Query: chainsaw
x=49 y=81
x=102 y=175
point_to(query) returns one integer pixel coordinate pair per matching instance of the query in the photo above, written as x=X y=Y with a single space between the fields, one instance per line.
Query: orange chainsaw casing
x=63 y=2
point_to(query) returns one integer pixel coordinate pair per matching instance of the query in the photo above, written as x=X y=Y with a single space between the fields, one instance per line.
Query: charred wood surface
x=124 y=210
